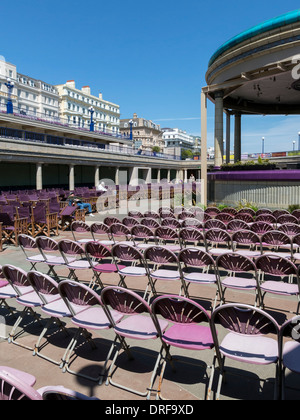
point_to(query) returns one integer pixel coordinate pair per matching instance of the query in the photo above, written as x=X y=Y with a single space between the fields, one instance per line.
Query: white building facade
x=29 y=96
x=78 y=105
x=174 y=137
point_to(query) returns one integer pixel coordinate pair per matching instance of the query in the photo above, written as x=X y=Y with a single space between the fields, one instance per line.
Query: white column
x=203 y=148
x=169 y=175
x=71 y=178
x=237 y=137
x=97 y=180
x=134 y=176
x=227 y=137
x=219 y=128
x=117 y=181
x=158 y=176
x=148 y=176
x=39 y=176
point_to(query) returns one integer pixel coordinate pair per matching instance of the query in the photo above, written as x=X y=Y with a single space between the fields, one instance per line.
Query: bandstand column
x=71 y=178
x=203 y=148
x=97 y=180
x=158 y=176
x=117 y=176
x=39 y=176
x=228 y=137
x=219 y=128
x=237 y=136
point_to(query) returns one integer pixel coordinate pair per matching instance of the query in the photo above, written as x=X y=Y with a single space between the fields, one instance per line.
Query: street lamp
x=263 y=145
x=131 y=124
x=92 y=124
x=294 y=145
x=9 y=106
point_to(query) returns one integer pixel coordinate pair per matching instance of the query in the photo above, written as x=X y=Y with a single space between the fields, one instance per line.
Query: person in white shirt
x=101 y=187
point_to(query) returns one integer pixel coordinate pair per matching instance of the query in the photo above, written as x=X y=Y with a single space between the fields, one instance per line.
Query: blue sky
x=150 y=57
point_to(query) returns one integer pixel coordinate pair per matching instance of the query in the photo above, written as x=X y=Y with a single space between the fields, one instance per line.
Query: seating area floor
x=189 y=382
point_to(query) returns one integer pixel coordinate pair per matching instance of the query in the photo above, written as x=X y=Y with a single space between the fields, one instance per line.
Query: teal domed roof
x=283 y=20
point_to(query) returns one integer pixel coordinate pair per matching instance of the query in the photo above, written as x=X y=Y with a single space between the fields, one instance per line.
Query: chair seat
x=165 y=274
x=106 y=242
x=199 y=277
x=107 y=268
x=247 y=253
x=218 y=251
x=80 y=264
x=56 y=309
x=3 y=283
x=37 y=258
x=55 y=260
x=32 y=299
x=257 y=350
x=291 y=356
x=7 y=292
x=189 y=336
x=279 y=288
x=132 y=271
x=139 y=327
x=95 y=318
x=239 y=283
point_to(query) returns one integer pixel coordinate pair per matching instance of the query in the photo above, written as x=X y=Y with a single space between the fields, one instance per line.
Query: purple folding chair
x=190 y=329
x=195 y=223
x=150 y=223
x=277 y=243
x=198 y=267
x=246 y=242
x=81 y=232
x=245 y=217
x=212 y=211
x=17 y=386
x=290 y=229
x=121 y=234
x=87 y=315
x=130 y=222
x=267 y=218
x=248 y=338
x=167 y=237
x=28 y=245
x=51 y=305
x=247 y=210
x=279 y=276
x=240 y=274
x=217 y=241
x=263 y=211
x=25 y=296
x=52 y=257
x=75 y=251
x=109 y=221
x=171 y=222
x=141 y=235
x=96 y=252
x=163 y=265
x=101 y=233
x=224 y=217
x=129 y=262
x=230 y=210
x=287 y=218
x=280 y=212
x=190 y=236
x=138 y=323
x=289 y=350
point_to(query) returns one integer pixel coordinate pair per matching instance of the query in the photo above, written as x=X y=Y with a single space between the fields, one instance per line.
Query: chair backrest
x=13 y=388
x=140 y=231
x=229 y=210
x=151 y=215
x=124 y=300
x=98 y=228
x=287 y=218
x=171 y=222
x=46 y=244
x=224 y=217
x=192 y=222
x=160 y=255
x=166 y=233
x=236 y=263
x=130 y=222
x=247 y=210
x=280 y=212
x=96 y=250
x=39 y=214
x=190 y=234
x=118 y=229
x=80 y=227
x=212 y=211
x=244 y=319
x=290 y=229
x=267 y=218
x=43 y=284
x=214 y=224
x=149 y=222
x=237 y=225
x=77 y=296
x=276 y=238
x=15 y=276
x=246 y=217
x=68 y=247
x=26 y=242
x=124 y=252
x=246 y=237
x=179 y=310
x=194 y=257
x=217 y=236
x=135 y=214
x=261 y=227
x=276 y=266
x=109 y=221
x=263 y=211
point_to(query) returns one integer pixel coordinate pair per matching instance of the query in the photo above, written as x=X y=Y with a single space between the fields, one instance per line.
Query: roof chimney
x=86 y=89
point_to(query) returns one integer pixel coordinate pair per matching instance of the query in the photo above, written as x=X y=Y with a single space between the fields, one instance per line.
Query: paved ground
x=188 y=383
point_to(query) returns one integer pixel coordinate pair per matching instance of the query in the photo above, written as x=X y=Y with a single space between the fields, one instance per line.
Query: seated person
x=77 y=201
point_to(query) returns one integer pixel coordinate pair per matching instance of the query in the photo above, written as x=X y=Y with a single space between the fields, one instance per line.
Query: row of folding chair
x=177 y=322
